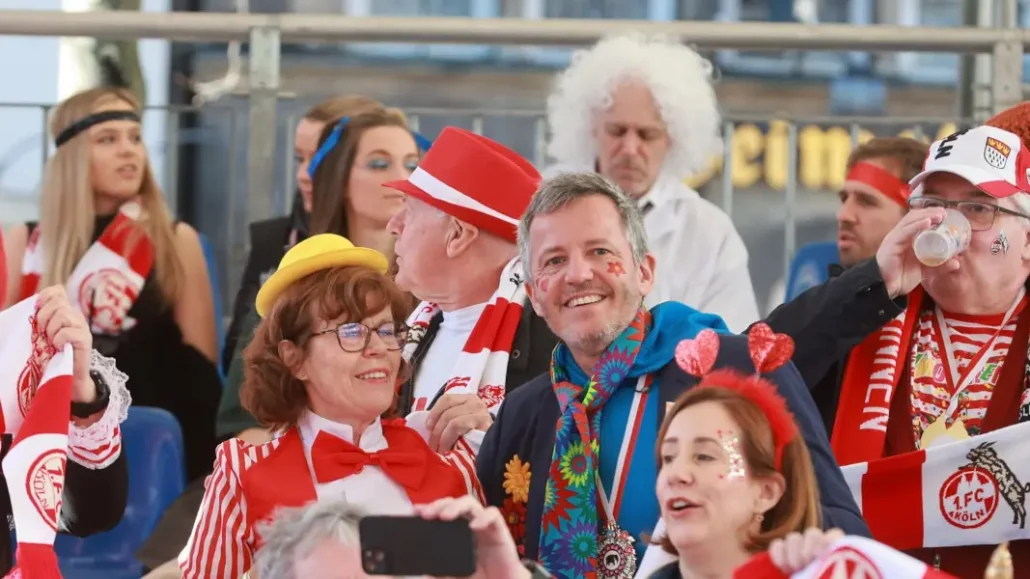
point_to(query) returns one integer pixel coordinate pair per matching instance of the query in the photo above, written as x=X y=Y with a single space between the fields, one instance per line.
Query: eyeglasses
x=355 y=337
x=980 y=214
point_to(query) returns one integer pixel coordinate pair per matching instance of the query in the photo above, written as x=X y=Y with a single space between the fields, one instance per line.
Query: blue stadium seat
x=153 y=447
x=216 y=294
x=810 y=267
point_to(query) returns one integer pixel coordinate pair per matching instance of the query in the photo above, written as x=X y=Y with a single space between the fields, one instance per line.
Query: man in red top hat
x=472 y=337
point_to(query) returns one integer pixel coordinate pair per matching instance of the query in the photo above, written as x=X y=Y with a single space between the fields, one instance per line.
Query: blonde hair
x=67 y=211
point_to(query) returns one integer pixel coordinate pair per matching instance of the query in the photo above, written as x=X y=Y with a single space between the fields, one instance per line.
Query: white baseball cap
x=993 y=160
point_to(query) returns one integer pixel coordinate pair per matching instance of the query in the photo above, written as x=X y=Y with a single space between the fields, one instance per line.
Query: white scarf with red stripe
x=962 y=492
x=35 y=399
x=848 y=558
x=107 y=280
x=482 y=366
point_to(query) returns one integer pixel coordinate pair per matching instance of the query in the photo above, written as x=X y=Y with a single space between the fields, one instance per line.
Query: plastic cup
x=943 y=242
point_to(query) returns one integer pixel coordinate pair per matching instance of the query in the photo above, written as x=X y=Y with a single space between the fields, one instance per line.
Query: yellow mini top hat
x=315 y=253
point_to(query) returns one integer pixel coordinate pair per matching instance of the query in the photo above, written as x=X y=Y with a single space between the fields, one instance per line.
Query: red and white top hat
x=474 y=179
x=993 y=160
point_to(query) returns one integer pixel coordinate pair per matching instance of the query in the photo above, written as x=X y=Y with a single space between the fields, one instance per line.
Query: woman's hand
x=496 y=554
x=64 y=324
x=796 y=551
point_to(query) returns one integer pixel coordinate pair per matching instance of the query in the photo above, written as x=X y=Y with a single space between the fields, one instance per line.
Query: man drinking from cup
x=952 y=367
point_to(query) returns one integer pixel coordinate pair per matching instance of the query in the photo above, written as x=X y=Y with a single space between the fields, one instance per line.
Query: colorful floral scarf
x=569 y=523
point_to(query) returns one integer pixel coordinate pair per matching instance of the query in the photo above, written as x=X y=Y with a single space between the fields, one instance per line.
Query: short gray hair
x=556 y=193
x=295 y=532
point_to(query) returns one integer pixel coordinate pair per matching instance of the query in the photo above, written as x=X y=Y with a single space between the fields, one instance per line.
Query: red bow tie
x=334 y=458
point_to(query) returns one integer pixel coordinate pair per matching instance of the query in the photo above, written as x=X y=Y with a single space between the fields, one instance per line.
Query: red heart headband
x=769 y=351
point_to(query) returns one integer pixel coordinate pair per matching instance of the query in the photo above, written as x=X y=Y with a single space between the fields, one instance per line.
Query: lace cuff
x=98 y=445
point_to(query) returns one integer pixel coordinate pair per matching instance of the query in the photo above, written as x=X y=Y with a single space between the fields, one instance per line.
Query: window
x=461 y=52
x=656 y=10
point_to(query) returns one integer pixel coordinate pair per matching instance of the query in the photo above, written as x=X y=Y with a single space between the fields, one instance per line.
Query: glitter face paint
x=730 y=443
x=542 y=284
x=615 y=268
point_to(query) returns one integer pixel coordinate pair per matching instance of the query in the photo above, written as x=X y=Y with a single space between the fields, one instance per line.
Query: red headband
x=769 y=351
x=881 y=180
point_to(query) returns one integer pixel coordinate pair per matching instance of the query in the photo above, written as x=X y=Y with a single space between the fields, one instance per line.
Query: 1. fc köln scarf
x=965 y=492
x=848 y=558
x=109 y=276
x=35 y=400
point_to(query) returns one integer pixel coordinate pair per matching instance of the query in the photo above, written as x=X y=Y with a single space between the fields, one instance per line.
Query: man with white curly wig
x=641 y=110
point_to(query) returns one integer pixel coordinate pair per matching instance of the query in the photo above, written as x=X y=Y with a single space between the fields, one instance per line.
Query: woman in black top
x=271 y=238
x=138 y=277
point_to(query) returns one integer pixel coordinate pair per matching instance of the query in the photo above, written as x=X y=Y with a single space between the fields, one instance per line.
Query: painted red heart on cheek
x=769 y=350
x=696 y=357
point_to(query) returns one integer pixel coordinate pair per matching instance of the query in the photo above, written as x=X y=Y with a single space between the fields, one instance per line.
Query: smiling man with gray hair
x=588 y=271
x=319 y=541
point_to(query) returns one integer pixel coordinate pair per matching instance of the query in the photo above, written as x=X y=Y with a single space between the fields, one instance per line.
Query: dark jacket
x=268 y=241
x=830 y=319
x=94 y=501
x=232 y=418
x=525 y=426
x=530 y=355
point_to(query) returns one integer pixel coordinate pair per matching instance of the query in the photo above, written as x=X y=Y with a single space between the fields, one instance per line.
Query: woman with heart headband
x=736 y=486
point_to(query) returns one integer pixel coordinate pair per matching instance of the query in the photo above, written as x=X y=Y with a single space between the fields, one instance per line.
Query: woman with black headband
x=138 y=276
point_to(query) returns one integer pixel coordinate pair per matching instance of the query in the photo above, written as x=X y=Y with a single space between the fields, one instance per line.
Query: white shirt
x=371 y=488
x=437 y=364
x=701 y=259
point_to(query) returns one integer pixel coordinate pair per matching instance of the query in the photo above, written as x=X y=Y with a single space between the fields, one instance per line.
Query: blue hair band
x=334 y=139
x=327 y=146
x=422 y=142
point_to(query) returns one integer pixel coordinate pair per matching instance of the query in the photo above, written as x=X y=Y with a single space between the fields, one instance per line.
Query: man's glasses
x=979 y=213
x=355 y=337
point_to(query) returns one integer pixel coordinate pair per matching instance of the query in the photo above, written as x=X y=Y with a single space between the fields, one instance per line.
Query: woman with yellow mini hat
x=321 y=370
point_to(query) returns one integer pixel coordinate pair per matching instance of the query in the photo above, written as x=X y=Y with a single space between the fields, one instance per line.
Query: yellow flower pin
x=516 y=479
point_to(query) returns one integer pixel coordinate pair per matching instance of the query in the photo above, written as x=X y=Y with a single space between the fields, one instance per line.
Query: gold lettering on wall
x=822 y=154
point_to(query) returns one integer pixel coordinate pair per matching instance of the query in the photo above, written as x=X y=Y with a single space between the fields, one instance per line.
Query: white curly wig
x=680 y=81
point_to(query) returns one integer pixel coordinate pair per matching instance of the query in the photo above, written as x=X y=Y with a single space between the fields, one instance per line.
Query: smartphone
x=415 y=546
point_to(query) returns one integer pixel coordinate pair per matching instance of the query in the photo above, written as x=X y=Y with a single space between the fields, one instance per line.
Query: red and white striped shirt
x=932 y=390
x=224 y=541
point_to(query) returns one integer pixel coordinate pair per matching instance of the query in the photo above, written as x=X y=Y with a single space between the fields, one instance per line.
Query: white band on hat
x=444 y=192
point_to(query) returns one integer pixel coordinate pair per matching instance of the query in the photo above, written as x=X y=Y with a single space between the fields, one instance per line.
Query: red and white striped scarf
x=109 y=277
x=35 y=399
x=482 y=366
x=848 y=558
x=964 y=492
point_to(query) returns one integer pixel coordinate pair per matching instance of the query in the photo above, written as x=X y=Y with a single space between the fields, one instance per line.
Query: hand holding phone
x=496 y=553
